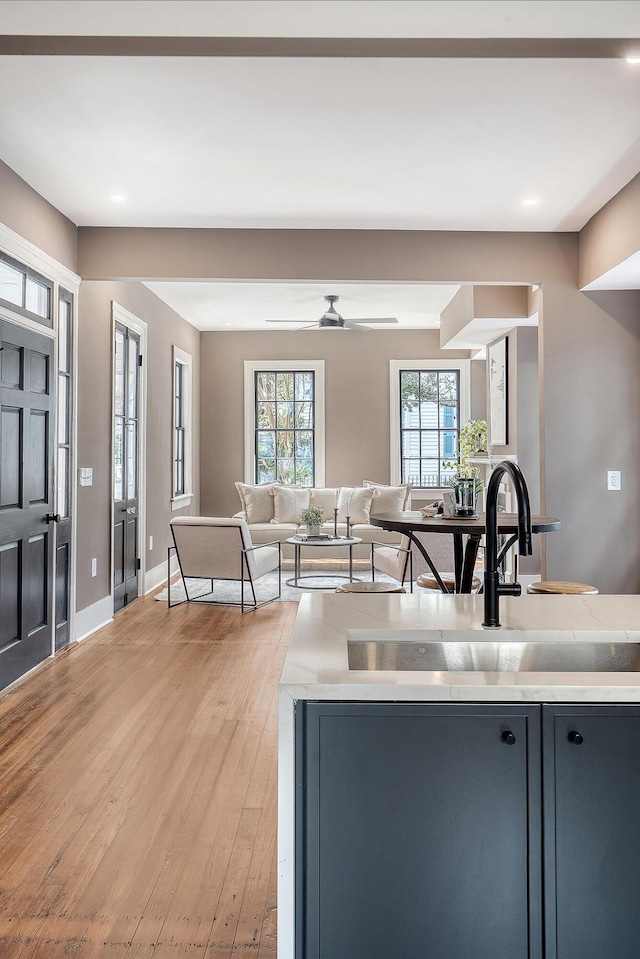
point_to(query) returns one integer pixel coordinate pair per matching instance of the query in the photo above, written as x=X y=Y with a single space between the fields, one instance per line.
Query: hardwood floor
x=138 y=790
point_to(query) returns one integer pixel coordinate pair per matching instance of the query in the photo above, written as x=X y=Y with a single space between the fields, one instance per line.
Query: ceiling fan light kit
x=332 y=320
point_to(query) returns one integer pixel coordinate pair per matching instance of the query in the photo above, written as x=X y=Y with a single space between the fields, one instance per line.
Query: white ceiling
x=433 y=144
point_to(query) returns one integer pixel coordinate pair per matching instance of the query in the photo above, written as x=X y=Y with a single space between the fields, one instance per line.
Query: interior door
x=27 y=415
x=125 y=466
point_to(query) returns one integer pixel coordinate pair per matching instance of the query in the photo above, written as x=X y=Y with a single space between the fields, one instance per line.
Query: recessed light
x=117 y=198
x=226 y=323
x=633 y=59
x=530 y=201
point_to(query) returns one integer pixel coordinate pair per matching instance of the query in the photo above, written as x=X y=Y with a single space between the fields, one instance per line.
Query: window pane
x=62 y=501
x=266 y=471
x=63 y=408
x=448 y=416
x=132 y=372
x=266 y=415
x=304 y=444
x=132 y=457
x=411 y=472
x=429 y=444
x=304 y=415
x=11 y=284
x=285 y=472
x=410 y=443
x=304 y=386
x=265 y=386
x=285 y=444
x=118 y=459
x=119 y=373
x=284 y=386
x=304 y=472
x=266 y=444
x=285 y=415
x=38 y=298
x=449 y=445
x=64 y=325
x=428 y=388
x=429 y=473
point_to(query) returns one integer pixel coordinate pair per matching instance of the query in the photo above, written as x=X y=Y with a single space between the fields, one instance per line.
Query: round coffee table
x=298 y=542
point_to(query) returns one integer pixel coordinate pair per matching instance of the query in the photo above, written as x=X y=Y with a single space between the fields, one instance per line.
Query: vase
x=313 y=530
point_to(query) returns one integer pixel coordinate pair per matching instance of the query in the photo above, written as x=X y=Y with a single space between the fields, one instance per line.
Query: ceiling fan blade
x=287 y=321
x=376 y=319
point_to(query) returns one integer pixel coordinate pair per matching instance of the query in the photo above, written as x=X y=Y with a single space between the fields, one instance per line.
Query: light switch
x=85 y=476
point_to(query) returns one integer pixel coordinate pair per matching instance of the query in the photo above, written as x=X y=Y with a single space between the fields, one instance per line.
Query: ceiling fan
x=331 y=319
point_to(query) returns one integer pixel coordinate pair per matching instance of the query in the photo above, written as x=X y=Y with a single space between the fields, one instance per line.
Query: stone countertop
x=316 y=664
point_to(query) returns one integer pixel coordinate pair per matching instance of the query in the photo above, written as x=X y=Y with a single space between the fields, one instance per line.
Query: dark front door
x=125 y=466
x=26 y=499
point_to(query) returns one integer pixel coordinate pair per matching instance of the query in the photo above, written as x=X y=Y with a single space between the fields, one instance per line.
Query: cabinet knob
x=508 y=737
x=575 y=737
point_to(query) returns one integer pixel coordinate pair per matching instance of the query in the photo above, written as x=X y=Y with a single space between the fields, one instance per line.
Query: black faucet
x=493 y=589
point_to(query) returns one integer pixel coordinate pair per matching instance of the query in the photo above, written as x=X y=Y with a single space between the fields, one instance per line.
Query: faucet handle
x=509 y=589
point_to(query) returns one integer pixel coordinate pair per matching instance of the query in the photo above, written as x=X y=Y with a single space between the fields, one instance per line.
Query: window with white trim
x=429 y=404
x=182 y=429
x=284 y=422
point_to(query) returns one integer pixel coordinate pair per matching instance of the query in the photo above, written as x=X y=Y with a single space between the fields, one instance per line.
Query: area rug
x=328 y=580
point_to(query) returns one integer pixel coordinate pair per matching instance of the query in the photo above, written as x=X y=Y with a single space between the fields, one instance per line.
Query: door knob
x=131 y=510
x=52 y=517
x=508 y=737
x=575 y=737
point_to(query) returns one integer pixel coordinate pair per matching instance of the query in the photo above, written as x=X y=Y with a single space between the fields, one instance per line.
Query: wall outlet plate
x=613 y=479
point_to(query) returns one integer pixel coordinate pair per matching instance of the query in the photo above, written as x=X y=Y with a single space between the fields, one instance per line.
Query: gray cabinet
x=592 y=831
x=420 y=831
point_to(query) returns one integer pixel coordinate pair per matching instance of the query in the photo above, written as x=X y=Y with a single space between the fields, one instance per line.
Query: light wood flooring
x=138 y=790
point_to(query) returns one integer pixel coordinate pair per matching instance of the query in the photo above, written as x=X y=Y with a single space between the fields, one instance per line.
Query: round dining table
x=411 y=522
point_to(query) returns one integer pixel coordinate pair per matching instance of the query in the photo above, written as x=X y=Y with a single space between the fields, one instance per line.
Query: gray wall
x=580 y=337
x=357 y=401
x=25 y=212
x=165 y=329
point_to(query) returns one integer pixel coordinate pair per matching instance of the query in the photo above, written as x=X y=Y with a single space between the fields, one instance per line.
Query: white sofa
x=272 y=513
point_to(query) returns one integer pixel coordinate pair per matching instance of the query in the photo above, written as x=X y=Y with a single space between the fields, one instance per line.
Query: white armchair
x=218 y=548
x=406 y=562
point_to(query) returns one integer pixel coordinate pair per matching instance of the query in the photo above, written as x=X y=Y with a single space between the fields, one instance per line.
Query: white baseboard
x=158 y=575
x=94 y=617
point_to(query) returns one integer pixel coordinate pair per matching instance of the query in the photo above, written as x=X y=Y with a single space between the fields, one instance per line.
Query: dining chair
x=407 y=564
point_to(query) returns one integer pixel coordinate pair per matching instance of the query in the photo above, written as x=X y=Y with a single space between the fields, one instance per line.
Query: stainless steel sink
x=580 y=656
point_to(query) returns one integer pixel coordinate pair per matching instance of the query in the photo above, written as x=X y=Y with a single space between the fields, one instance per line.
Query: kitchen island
x=421 y=811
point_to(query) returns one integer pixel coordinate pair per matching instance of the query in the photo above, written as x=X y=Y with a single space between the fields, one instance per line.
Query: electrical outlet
x=94 y=567
x=613 y=479
x=151 y=542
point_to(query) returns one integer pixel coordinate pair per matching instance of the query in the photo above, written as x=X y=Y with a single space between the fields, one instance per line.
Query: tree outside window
x=285 y=427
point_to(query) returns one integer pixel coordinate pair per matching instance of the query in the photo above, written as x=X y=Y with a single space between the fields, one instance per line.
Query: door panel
x=125 y=466
x=27 y=407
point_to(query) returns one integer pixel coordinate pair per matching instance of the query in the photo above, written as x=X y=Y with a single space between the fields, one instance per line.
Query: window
x=25 y=291
x=182 y=429
x=428 y=406
x=284 y=422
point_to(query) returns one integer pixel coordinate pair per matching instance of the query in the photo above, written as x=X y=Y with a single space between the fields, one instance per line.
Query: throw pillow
x=288 y=501
x=355 y=502
x=326 y=497
x=389 y=499
x=256 y=501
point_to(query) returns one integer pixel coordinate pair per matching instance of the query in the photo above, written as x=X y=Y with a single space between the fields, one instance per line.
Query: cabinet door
x=418 y=836
x=592 y=831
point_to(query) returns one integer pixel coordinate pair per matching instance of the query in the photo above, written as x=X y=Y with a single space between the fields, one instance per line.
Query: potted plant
x=312 y=516
x=473 y=439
